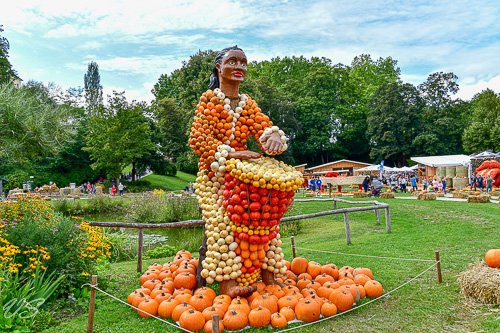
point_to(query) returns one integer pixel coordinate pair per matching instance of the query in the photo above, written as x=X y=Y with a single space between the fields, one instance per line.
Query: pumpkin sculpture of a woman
x=237 y=189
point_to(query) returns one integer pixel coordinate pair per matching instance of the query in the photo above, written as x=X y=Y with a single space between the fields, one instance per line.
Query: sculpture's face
x=233 y=67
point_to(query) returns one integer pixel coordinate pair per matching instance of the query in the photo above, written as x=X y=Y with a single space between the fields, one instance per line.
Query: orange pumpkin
x=373 y=289
x=287 y=301
x=208 y=326
x=259 y=317
x=343 y=300
x=234 y=320
x=240 y=306
x=266 y=302
x=200 y=302
x=213 y=310
x=148 y=305
x=299 y=265
x=185 y=280
x=192 y=320
x=307 y=310
x=328 y=309
x=279 y=321
x=166 y=307
x=179 y=310
x=363 y=270
x=288 y=313
x=492 y=258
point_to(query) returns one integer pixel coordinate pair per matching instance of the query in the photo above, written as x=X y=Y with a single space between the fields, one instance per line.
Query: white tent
x=443 y=161
x=374 y=168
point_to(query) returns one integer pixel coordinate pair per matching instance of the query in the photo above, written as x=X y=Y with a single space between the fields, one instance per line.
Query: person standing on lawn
x=120 y=189
x=413 y=182
x=489 y=184
x=443 y=181
x=113 y=189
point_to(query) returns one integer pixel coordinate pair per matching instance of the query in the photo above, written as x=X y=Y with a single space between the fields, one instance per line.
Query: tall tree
x=484 y=131
x=393 y=116
x=32 y=125
x=6 y=71
x=444 y=118
x=93 y=88
x=118 y=134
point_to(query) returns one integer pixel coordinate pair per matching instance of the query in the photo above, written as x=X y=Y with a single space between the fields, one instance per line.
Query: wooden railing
x=375 y=205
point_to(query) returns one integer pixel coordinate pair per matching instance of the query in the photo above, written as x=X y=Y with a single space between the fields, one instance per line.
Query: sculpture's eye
x=232 y=63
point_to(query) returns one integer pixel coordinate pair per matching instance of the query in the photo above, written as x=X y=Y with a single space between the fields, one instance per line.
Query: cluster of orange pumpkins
x=312 y=290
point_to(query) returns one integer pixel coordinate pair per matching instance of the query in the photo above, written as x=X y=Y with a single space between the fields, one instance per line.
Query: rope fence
x=215 y=318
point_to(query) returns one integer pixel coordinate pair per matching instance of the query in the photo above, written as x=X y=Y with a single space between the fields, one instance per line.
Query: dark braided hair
x=214 y=77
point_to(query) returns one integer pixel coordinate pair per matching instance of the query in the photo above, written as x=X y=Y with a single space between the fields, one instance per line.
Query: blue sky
x=134 y=42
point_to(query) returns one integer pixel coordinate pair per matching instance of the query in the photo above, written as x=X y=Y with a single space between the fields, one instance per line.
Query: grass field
x=461 y=232
x=178 y=182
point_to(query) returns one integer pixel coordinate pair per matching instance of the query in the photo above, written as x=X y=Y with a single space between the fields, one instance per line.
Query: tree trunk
x=133 y=173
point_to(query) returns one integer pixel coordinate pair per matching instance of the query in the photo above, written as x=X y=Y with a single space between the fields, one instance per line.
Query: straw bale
x=460 y=195
x=415 y=193
x=65 y=191
x=307 y=194
x=387 y=196
x=360 y=194
x=440 y=195
x=427 y=196
x=483 y=198
x=481 y=283
x=336 y=194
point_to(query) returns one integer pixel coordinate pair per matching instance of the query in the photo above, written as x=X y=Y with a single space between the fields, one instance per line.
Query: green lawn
x=178 y=182
x=461 y=232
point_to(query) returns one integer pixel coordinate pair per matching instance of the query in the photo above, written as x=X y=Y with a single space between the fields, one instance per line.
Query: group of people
x=90 y=188
x=435 y=185
x=479 y=182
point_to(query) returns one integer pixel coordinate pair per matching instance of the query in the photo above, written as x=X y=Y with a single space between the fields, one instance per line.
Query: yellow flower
x=85 y=274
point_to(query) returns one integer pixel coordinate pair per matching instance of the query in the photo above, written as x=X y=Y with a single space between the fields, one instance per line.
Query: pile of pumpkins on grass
x=312 y=291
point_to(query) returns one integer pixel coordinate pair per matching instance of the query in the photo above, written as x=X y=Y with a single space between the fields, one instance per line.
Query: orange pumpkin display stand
x=312 y=291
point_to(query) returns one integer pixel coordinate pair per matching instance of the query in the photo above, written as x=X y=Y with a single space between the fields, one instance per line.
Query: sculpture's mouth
x=238 y=74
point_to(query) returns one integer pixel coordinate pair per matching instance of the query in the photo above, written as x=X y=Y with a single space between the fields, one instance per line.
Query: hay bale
x=460 y=195
x=360 y=195
x=65 y=191
x=481 y=283
x=415 y=193
x=308 y=195
x=387 y=196
x=483 y=198
x=440 y=195
x=427 y=196
x=336 y=194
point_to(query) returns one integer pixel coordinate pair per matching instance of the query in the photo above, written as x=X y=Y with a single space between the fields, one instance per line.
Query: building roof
x=442 y=161
x=330 y=163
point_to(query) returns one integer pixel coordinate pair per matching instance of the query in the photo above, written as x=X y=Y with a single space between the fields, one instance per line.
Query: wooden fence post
x=440 y=277
x=90 y=323
x=140 y=242
x=347 y=228
x=377 y=213
x=387 y=219
x=335 y=207
x=293 y=247
x=215 y=323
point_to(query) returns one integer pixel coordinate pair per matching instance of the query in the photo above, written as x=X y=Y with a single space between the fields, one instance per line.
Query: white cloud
x=91 y=45
x=151 y=65
x=468 y=88
x=142 y=94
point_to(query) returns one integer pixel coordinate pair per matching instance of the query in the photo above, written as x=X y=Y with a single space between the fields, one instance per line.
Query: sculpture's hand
x=244 y=154
x=272 y=142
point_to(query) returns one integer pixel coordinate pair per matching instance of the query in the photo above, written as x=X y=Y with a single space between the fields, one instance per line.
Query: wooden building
x=300 y=168
x=342 y=166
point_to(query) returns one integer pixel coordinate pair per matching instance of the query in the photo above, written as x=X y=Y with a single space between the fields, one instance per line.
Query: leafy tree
x=484 y=131
x=118 y=134
x=32 y=125
x=6 y=71
x=172 y=125
x=393 y=116
x=443 y=118
x=93 y=88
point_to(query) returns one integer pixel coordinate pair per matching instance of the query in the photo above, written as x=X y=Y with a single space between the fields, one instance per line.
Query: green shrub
x=160 y=252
